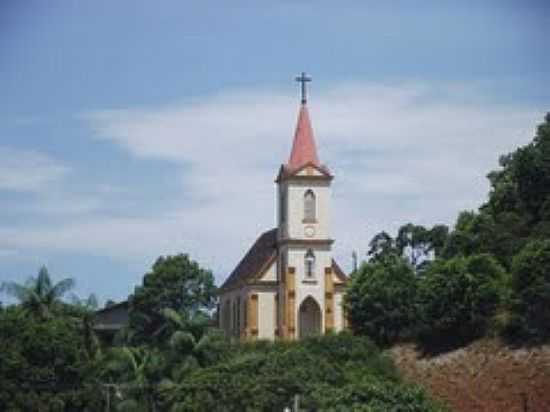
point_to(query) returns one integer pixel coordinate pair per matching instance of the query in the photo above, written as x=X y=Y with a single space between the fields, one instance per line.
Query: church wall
x=295 y=216
x=233 y=321
x=338 y=311
x=309 y=171
x=266 y=315
x=270 y=274
x=307 y=287
x=229 y=320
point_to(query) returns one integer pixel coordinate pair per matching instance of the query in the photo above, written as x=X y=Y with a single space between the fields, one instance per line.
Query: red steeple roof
x=304 y=150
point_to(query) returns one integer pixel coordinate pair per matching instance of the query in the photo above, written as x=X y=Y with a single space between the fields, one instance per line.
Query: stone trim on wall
x=291 y=303
x=252 y=316
x=329 y=300
x=306 y=242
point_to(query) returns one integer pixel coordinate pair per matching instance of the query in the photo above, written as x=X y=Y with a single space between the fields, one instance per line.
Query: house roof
x=258 y=259
x=112 y=318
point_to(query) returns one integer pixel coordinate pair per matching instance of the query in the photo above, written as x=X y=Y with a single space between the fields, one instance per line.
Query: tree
x=381 y=246
x=381 y=300
x=38 y=295
x=530 y=303
x=134 y=371
x=175 y=282
x=415 y=243
x=457 y=298
x=43 y=364
x=518 y=208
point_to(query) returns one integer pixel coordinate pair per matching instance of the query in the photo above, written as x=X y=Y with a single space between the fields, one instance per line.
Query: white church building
x=288 y=285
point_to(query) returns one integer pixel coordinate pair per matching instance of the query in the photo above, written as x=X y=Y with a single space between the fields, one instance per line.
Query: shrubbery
x=330 y=373
x=530 y=301
x=458 y=298
x=382 y=300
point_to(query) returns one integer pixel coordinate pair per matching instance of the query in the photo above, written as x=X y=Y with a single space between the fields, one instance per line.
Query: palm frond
x=16 y=290
x=182 y=342
x=62 y=287
x=92 y=301
x=43 y=282
x=173 y=316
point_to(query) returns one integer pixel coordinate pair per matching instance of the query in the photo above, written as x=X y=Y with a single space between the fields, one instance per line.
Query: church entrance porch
x=309 y=318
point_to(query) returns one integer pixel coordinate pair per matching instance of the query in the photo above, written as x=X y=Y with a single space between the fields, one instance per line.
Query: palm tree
x=83 y=312
x=38 y=295
x=133 y=371
x=191 y=344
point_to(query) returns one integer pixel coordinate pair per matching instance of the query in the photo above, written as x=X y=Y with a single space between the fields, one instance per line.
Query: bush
x=458 y=298
x=43 y=364
x=334 y=372
x=530 y=303
x=381 y=300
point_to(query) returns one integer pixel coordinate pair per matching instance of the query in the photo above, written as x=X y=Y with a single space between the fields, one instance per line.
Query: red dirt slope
x=484 y=376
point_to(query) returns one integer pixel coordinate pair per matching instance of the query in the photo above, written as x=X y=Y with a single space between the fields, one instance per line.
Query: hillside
x=484 y=376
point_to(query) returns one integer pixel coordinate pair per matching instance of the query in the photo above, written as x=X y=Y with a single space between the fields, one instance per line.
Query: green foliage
x=381 y=300
x=372 y=395
x=135 y=373
x=265 y=377
x=518 y=209
x=415 y=243
x=175 y=282
x=458 y=297
x=464 y=293
x=39 y=295
x=43 y=363
x=530 y=303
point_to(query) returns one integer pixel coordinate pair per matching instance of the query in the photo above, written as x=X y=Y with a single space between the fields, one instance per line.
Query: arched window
x=309 y=206
x=310 y=264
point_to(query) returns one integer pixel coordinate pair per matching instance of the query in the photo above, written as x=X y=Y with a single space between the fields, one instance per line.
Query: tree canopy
x=381 y=300
x=39 y=295
x=175 y=282
x=489 y=272
x=530 y=303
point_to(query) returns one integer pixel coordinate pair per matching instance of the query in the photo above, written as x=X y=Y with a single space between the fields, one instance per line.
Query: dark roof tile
x=264 y=249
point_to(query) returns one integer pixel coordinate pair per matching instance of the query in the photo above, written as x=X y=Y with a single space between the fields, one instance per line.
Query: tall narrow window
x=309 y=206
x=310 y=264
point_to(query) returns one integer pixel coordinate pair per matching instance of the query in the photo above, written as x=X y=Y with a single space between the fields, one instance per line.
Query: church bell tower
x=305 y=298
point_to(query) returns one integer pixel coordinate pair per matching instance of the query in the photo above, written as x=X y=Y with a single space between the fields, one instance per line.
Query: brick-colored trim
x=252 y=317
x=329 y=300
x=291 y=302
x=306 y=242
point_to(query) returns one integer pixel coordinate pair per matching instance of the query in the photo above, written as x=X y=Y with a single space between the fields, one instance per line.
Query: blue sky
x=132 y=129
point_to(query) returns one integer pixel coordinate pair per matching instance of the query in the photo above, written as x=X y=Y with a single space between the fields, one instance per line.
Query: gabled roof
x=258 y=256
x=286 y=172
x=338 y=271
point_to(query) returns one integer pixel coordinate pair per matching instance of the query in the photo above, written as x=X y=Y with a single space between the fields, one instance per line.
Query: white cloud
x=399 y=153
x=27 y=171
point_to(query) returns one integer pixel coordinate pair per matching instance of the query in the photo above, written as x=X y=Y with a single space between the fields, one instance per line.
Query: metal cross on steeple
x=303 y=78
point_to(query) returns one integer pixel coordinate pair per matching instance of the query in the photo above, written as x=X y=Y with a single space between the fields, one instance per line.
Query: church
x=288 y=286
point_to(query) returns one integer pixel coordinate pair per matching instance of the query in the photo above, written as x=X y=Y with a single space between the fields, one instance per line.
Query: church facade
x=288 y=285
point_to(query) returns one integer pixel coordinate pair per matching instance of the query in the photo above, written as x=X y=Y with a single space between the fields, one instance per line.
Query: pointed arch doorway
x=309 y=318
